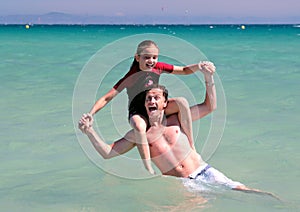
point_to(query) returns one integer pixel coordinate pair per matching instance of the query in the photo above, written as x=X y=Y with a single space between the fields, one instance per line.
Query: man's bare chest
x=164 y=137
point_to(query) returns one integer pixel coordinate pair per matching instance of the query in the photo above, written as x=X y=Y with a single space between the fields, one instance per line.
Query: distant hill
x=49 y=18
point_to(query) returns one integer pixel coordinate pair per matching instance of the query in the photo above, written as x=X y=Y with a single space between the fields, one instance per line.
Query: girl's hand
x=207 y=67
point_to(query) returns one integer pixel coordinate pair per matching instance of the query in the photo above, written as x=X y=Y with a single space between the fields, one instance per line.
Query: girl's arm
x=185 y=70
x=103 y=101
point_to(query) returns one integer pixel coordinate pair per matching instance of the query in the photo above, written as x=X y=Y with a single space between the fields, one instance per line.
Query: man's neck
x=157 y=119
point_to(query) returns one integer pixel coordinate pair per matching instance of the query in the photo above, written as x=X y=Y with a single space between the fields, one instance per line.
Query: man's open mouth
x=152 y=108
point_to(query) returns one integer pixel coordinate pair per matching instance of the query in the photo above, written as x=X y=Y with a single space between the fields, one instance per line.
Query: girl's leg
x=139 y=126
x=181 y=106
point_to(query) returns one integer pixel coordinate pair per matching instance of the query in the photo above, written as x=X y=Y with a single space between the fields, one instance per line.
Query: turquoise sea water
x=43 y=167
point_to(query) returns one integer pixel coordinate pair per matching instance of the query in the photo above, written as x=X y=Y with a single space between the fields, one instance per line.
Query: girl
x=145 y=71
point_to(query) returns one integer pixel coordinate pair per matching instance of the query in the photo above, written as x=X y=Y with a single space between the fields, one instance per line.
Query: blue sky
x=212 y=8
x=233 y=8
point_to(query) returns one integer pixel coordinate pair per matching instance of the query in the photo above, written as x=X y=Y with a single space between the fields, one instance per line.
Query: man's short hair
x=161 y=87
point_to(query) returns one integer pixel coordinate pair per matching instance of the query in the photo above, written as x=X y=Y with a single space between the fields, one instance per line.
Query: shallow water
x=43 y=166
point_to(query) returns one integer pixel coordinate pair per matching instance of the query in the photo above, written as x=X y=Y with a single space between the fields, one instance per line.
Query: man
x=169 y=147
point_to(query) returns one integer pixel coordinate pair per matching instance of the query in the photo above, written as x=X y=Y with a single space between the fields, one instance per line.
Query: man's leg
x=246 y=189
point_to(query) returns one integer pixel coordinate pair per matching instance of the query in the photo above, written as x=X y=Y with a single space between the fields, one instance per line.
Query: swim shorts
x=137 y=106
x=210 y=175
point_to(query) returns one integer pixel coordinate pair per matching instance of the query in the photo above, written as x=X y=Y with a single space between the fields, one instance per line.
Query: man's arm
x=210 y=103
x=118 y=147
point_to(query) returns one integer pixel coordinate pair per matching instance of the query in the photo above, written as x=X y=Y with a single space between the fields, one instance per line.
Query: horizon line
x=52 y=18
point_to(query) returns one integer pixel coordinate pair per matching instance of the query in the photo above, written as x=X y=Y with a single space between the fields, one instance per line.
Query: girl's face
x=147 y=58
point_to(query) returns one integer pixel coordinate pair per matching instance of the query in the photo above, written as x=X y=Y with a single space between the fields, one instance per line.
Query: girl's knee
x=138 y=123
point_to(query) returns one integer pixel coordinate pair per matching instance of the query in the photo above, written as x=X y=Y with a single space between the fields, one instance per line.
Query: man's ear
x=137 y=57
x=165 y=104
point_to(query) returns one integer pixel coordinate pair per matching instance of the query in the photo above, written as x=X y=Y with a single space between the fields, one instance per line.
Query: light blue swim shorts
x=210 y=175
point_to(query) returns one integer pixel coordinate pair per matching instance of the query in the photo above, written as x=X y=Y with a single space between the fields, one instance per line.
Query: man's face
x=155 y=101
x=148 y=58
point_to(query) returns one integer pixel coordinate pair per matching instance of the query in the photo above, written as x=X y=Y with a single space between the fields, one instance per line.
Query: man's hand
x=85 y=123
